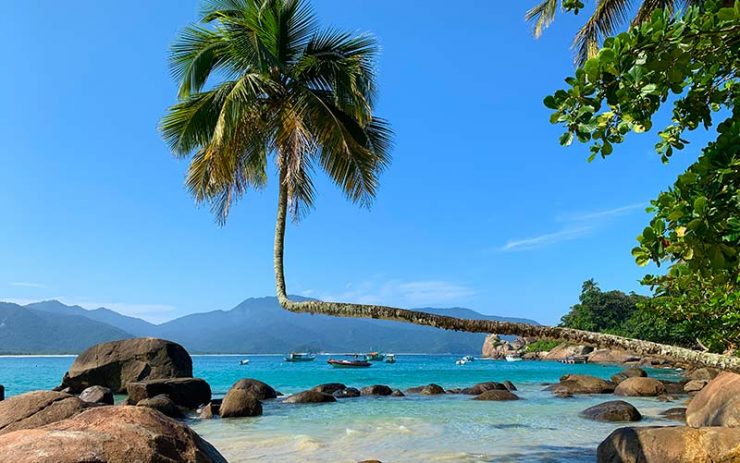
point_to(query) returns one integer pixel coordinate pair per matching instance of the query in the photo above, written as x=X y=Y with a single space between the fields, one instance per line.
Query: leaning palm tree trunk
x=340 y=309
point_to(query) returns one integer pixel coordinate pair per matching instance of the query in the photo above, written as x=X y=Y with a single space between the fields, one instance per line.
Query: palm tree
x=608 y=15
x=259 y=79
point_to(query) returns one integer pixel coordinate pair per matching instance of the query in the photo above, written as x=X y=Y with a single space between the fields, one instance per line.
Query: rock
x=310 y=397
x=582 y=384
x=676 y=414
x=257 y=389
x=563 y=351
x=563 y=393
x=533 y=355
x=496 y=394
x=707 y=374
x=695 y=385
x=718 y=404
x=666 y=398
x=377 y=389
x=672 y=387
x=611 y=356
x=163 y=404
x=640 y=387
x=615 y=410
x=483 y=387
x=629 y=373
x=429 y=389
x=97 y=395
x=115 y=364
x=118 y=434
x=397 y=393
x=347 y=393
x=239 y=403
x=674 y=444
x=185 y=392
x=329 y=388
x=455 y=390
x=210 y=410
x=509 y=386
x=38 y=408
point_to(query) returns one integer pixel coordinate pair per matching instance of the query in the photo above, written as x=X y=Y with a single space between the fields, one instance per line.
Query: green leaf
x=566 y=139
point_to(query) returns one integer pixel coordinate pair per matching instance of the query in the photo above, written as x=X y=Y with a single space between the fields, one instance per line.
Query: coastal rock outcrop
x=397 y=393
x=347 y=393
x=509 y=386
x=376 y=389
x=117 y=363
x=119 y=434
x=707 y=373
x=256 y=388
x=496 y=348
x=480 y=388
x=239 y=403
x=581 y=384
x=163 y=404
x=564 y=351
x=310 y=397
x=718 y=404
x=429 y=389
x=185 y=392
x=640 y=387
x=614 y=410
x=38 y=408
x=329 y=388
x=612 y=356
x=496 y=394
x=628 y=373
x=97 y=395
x=675 y=444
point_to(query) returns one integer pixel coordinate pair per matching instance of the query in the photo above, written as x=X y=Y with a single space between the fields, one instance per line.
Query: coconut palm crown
x=260 y=79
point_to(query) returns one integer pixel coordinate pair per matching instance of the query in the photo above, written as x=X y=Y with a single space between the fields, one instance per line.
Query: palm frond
x=542 y=15
x=647 y=7
x=607 y=16
x=195 y=56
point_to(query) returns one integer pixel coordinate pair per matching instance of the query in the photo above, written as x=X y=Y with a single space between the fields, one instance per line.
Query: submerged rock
x=674 y=444
x=98 y=395
x=397 y=393
x=718 y=404
x=309 y=397
x=119 y=434
x=676 y=414
x=256 y=388
x=347 y=393
x=185 y=392
x=496 y=394
x=163 y=404
x=615 y=410
x=240 y=403
x=376 y=389
x=115 y=364
x=640 y=387
x=38 y=408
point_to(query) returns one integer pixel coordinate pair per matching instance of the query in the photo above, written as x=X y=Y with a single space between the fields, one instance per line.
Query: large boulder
x=185 y=392
x=310 y=397
x=673 y=387
x=614 y=410
x=612 y=356
x=347 y=393
x=115 y=364
x=480 y=388
x=496 y=394
x=718 y=404
x=38 y=408
x=376 y=389
x=563 y=351
x=628 y=373
x=707 y=373
x=256 y=388
x=238 y=403
x=640 y=387
x=329 y=388
x=111 y=435
x=97 y=395
x=581 y=384
x=429 y=389
x=695 y=385
x=674 y=444
x=163 y=404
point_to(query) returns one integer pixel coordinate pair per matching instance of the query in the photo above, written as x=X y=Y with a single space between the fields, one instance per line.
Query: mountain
x=257 y=325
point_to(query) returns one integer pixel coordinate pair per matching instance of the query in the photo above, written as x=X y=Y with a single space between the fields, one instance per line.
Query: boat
x=374 y=357
x=461 y=361
x=468 y=358
x=513 y=358
x=349 y=363
x=244 y=362
x=390 y=358
x=299 y=357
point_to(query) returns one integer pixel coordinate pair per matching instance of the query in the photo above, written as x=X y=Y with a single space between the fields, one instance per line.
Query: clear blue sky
x=481 y=207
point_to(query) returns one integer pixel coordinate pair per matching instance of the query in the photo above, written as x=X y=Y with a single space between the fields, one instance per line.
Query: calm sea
x=449 y=428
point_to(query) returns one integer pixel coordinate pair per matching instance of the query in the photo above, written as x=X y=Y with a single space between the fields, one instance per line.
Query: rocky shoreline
x=78 y=420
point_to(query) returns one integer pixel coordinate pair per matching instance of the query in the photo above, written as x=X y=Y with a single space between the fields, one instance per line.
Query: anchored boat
x=374 y=357
x=390 y=358
x=299 y=357
x=244 y=362
x=349 y=363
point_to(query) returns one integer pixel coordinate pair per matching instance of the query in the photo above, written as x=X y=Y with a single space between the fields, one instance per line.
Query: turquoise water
x=448 y=428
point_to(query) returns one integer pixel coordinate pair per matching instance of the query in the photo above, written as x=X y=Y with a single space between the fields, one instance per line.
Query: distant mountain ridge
x=257 y=325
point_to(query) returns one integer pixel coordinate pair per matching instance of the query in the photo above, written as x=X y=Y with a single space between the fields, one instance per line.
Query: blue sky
x=480 y=208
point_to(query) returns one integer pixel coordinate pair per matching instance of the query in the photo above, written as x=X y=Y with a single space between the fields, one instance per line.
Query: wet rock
x=509 y=386
x=483 y=387
x=429 y=389
x=695 y=385
x=97 y=395
x=255 y=388
x=675 y=444
x=115 y=364
x=666 y=398
x=640 y=387
x=377 y=389
x=329 y=388
x=582 y=384
x=240 y=403
x=397 y=393
x=675 y=414
x=615 y=410
x=163 y=404
x=119 y=434
x=185 y=392
x=496 y=394
x=210 y=410
x=347 y=393
x=38 y=408
x=718 y=404
x=310 y=397
x=455 y=390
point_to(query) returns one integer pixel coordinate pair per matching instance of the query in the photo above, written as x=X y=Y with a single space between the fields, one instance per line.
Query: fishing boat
x=374 y=357
x=349 y=363
x=513 y=358
x=299 y=357
x=390 y=358
x=244 y=362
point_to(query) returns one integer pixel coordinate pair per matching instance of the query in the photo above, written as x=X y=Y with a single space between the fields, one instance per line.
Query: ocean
x=445 y=428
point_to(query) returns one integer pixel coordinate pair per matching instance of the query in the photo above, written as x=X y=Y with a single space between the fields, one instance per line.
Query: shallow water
x=448 y=428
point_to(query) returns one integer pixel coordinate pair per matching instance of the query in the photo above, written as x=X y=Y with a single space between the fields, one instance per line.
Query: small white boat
x=461 y=362
x=513 y=358
x=468 y=358
x=390 y=358
x=244 y=362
